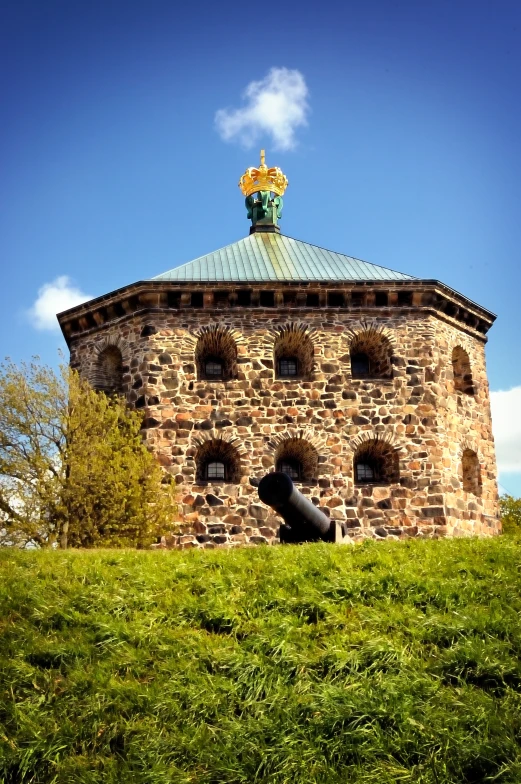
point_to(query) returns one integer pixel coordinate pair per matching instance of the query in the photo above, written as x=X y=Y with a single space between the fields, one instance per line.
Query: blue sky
x=402 y=147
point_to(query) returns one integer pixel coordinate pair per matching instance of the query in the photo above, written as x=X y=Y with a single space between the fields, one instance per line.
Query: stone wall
x=413 y=412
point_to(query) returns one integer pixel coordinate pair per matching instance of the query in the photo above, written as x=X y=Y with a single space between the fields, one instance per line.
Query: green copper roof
x=265 y=256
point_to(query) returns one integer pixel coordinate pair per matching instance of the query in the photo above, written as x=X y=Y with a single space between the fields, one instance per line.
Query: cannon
x=303 y=521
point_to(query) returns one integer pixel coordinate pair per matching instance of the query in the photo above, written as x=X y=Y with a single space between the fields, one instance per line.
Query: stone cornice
x=365 y=298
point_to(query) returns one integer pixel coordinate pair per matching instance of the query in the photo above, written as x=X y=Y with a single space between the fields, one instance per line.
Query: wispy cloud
x=52 y=298
x=506 y=424
x=277 y=105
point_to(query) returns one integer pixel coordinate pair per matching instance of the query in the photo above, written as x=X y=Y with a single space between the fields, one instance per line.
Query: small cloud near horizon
x=506 y=426
x=277 y=105
x=53 y=298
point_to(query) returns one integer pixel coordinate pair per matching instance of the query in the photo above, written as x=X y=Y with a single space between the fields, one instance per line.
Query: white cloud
x=276 y=105
x=506 y=424
x=52 y=298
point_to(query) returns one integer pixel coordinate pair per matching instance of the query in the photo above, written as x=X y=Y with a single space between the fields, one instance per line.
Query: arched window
x=216 y=355
x=461 y=371
x=218 y=461
x=293 y=468
x=360 y=365
x=293 y=352
x=297 y=458
x=375 y=462
x=288 y=367
x=471 y=471
x=371 y=355
x=109 y=371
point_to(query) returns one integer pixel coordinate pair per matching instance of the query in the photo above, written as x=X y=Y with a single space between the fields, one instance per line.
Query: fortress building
x=367 y=386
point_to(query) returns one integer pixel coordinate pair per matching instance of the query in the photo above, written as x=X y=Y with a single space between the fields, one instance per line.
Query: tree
x=73 y=466
x=510 y=509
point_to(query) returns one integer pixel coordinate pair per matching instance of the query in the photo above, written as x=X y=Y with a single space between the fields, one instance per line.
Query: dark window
x=335 y=299
x=174 y=299
x=196 y=300
x=472 y=481
x=405 y=298
x=119 y=310
x=381 y=298
x=290 y=297
x=215 y=470
x=462 y=371
x=290 y=467
x=288 y=367
x=267 y=299
x=312 y=301
x=221 y=298
x=244 y=298
x=213 y=368
x=357 y=298
x=360 y=366
x=365 y=472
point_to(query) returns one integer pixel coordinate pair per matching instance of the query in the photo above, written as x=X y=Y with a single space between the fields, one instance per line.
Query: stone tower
x=367 y=386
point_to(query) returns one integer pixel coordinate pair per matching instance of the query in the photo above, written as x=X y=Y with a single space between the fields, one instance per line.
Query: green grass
x=389 y=662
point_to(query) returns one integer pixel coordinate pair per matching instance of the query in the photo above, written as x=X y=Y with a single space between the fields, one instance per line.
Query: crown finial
x=255 y=180
x=263 y=189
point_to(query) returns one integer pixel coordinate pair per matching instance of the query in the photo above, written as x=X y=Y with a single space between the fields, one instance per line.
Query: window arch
x=293 y=353
x=297 y=458
x=461 y=371
x=109 y=371
x=471 y=471
x=376 y=462
x=216 y=355
x=218 y=461
x=371 y=355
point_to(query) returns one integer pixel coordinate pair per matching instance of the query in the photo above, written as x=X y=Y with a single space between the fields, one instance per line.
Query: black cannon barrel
x=303 y=521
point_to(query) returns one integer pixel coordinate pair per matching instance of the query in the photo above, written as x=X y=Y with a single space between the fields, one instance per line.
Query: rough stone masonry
x=367 y=386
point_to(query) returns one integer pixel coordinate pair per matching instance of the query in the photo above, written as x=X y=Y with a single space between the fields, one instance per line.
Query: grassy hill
x=389 y=662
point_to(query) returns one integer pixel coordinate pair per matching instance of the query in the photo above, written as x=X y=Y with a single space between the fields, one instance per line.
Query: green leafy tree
x=74 y=470
x=510 y=509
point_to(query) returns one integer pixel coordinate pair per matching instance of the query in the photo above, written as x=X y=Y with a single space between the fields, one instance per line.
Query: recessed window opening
x=213 y=368
x=376 y=462
x=221 y=298
x=290 y=467
x=471 y=470
x=357 y=298
x=293 y=353
x=381 y=299
x=288 y=367
x=290 y=297
x=196 y=300
x=244 y=298
x=215 y=469
x=371 y=355
x=109 y=372
x=174 y=299
x=267 y=299
x=335 y=299
x=216 y=355
x=405 y=298
x=365 y=472
x=312 y=300
x=360 y=366
x=461 y=371
x=217 y=460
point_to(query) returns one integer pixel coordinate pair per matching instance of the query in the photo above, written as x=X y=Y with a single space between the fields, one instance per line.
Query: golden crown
x=263 y=179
